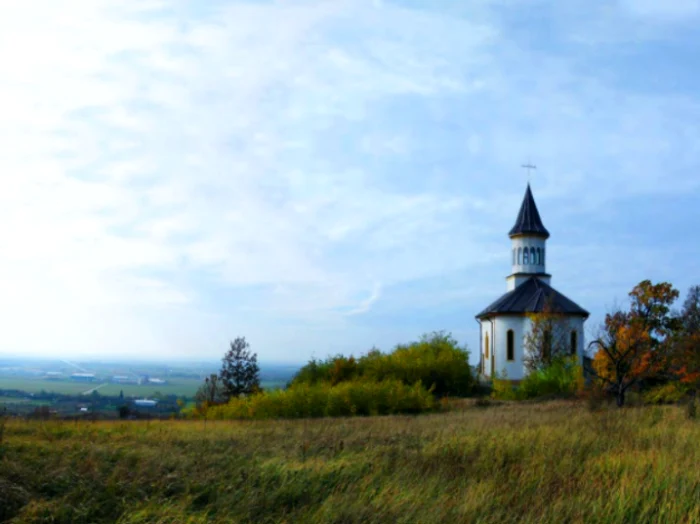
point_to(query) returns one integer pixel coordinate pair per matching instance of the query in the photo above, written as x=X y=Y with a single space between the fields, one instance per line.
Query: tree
x=686 y=351
x=211 y=391
x=547 y=339
x=239 y=373
x=634 y=345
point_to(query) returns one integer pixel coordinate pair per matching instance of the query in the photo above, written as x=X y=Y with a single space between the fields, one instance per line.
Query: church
x=504 y=324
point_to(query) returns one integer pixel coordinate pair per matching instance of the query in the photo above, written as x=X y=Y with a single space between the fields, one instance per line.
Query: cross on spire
x=529 y=168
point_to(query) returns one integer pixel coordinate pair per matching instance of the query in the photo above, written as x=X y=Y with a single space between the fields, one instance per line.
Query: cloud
x=366 y=304
x=175 y=174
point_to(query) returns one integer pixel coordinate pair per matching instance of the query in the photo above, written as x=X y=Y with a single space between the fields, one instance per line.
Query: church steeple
x=529 y=221
x=528 y=237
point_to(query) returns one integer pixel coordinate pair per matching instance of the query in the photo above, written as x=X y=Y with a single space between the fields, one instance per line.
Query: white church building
x=505 y=323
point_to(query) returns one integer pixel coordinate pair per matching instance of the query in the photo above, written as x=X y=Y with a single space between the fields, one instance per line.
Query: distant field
x=180 y=386
x=31 y=385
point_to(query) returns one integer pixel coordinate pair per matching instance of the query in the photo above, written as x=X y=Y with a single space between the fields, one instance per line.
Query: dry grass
x=550 y=462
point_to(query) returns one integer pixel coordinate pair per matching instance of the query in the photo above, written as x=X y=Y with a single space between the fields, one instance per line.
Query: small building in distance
x=54 y=375
x=157 y=381
x=124 y=379
x=145 y=403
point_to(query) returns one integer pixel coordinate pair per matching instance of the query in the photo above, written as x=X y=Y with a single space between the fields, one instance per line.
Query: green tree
x=240 y=374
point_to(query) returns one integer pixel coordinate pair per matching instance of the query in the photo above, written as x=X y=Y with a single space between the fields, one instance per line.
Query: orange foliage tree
x=635 y=344
x=685 y=362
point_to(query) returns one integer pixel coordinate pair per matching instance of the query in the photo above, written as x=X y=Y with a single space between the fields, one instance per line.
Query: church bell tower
x=528 y=242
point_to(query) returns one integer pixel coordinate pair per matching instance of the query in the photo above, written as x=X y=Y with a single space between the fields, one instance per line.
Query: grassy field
x=180 y=387
x=551 y=462
x=31 y=385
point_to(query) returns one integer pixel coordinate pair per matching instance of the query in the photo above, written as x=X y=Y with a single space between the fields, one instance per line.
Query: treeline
x=405 y=380
x=436 y=361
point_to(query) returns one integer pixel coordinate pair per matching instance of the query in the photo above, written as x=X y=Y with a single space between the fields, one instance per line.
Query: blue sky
x=328 y=176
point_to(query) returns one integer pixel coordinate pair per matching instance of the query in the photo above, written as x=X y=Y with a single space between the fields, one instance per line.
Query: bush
x=503 y=389
x=562 y=378
x=436 y=361
x=324 y=400
x=670 y=393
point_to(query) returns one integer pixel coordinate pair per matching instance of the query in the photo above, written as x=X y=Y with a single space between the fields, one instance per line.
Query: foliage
x=669 y=393
x=211 y=392
x=547 y=339
x=435 y=360
x=326 y=400
x=634 y=344
x=541 y=463
x=240 y=374
x=503 y=389
x=563 y=377
x=685 y=356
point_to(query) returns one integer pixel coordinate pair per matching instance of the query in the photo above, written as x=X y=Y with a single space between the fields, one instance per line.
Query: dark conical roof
x=529 y=221
x=532 y=296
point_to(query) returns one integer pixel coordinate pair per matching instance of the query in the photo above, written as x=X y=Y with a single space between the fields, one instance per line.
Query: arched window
x=538 y=259
x=511 y=345
x=520 y=255
x=486 y=346
x=526 y=256
x=574 y=342
x=532 y=255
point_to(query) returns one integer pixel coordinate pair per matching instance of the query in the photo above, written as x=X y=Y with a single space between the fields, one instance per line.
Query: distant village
x=115 y=379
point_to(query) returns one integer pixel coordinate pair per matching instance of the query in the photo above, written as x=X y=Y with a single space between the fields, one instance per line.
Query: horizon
x=311 y=177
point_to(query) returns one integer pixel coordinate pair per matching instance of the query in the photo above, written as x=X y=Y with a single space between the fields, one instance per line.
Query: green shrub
x=670 y=393
x=325 y=400
x=504 y=389
x=436 y=361
x=562 y=378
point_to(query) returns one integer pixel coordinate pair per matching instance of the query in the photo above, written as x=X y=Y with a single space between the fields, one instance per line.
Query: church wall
x=515 y=370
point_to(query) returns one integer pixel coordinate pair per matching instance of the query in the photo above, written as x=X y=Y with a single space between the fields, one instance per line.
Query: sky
x=329 y=176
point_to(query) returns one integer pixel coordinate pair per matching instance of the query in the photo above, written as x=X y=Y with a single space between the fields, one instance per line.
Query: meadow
x=476 y=461
x=182 y=387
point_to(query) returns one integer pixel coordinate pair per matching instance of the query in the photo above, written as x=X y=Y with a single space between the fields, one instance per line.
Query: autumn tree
x=240 y=374
x=686 y=347
x=634 y=344
x=547 y=339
